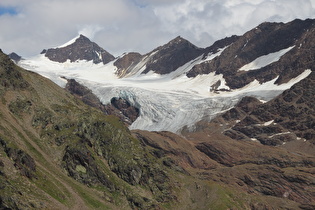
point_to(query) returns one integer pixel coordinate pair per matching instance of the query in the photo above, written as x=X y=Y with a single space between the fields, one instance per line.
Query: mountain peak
x=83 y=38
x=15 y=57
x=79 y=48
x=178 y=41
x=169 y=57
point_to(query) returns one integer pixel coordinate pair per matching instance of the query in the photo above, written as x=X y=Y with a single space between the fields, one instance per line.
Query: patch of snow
x=265 y=60
x=279 y=134
x=141 y=66
x=99 y=55
x=210 y=56
x=254 y=139
x=300 y=46
x=245 y=44
x=268 y=90
x=268 y=123
x=263 y=101
x=69 y=42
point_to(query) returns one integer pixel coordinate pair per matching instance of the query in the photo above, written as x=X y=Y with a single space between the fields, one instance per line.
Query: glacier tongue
x=165 y=111
x=166 y=102
x=171 y=111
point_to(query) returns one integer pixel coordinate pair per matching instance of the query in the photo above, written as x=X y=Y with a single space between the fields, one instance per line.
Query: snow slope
x=69 y=42
x=167 y=102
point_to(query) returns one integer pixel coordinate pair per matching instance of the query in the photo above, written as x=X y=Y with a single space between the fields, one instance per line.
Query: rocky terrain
x=265 y=39
x=289 y=117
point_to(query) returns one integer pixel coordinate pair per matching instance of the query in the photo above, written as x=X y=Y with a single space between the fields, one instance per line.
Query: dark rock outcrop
x=15 y=57
x=85 y=94
x=119 y=107
x=81 y=49
x=22 y=161
x=130 y=112
x=80 y=164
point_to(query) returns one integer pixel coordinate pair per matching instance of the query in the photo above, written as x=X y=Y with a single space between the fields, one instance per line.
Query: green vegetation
x=51 y=186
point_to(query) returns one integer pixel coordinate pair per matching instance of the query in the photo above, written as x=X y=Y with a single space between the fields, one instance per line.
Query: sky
x=29 y=26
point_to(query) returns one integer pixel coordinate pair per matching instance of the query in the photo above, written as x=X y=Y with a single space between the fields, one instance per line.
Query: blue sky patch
x=139 y=4
x=8 y=10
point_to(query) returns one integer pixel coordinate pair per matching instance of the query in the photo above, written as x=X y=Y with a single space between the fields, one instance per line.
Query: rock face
x=81 y=49
x=265 y=39
x=222 y=43
x=126 y=63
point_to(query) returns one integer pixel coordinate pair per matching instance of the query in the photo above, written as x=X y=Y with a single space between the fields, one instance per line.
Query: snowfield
x=265 y=60
x=167 y=102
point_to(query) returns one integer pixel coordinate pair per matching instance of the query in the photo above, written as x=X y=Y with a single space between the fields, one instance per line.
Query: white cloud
x=90 y=30
x=137 y=25
x=220 y=18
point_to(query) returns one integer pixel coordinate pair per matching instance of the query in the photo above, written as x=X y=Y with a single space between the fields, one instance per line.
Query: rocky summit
x=81 y=49
x=162 y=60
x=230 y=126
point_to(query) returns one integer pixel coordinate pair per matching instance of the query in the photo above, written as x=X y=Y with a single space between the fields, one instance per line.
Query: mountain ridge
x=264 y=39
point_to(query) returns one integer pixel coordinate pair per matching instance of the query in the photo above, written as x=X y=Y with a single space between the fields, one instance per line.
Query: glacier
x=167 y=102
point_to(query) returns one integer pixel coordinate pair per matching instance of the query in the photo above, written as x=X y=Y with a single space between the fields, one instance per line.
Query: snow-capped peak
x=79 y=48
